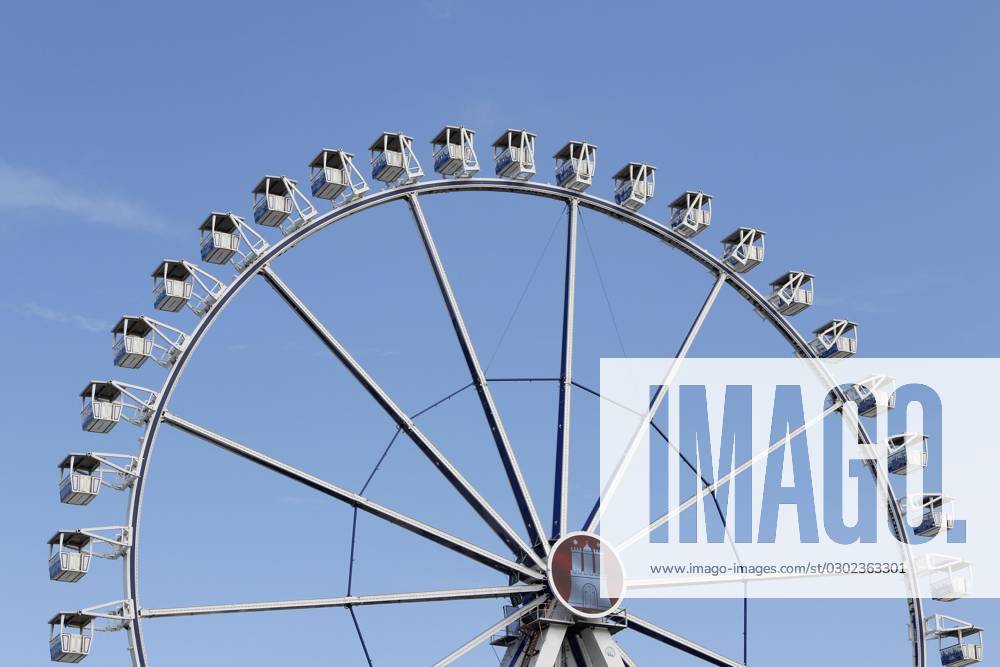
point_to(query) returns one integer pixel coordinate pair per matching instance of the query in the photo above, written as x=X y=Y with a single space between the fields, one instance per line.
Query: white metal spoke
x=661 y=392
x=492 y=518
x=672 y=639
x=346 y=601
x=560 y=502
x=485 y=634
x=360 y=502
x=536 y=533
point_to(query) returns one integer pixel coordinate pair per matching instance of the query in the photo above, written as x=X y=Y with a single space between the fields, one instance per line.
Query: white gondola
x=104 y=404
x=872 y=394
x=835 y=339
x=79 y=479
x=933 y=522
x=172 y=286
x=225 y=237
x=960 y=643
x=131 y=345
x=575 y=165
x=950 y=577
x=178 y=283
x=792 y=292
x=907 y=453
x=393 y=160
x=219 y=238
x=935 y=511
x=138 y=338
x=634 y=185
x=454 y=152
x=333 y=176
x=952 y=586
x=690 y=213
x=70 y=636
x=101 y=407
x=743 y=249
x=70 y=553
x=71 y=632
x=272 y=201
x=514 y=154
x=278 y=202
x=81 y=476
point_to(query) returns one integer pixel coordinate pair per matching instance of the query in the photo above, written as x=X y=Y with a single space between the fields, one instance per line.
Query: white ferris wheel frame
x=528 y=566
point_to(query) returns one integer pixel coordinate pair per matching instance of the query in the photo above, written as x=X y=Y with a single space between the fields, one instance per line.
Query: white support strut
x=345 y=601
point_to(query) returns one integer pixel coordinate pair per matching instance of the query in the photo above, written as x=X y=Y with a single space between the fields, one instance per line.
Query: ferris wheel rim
x=260 y=265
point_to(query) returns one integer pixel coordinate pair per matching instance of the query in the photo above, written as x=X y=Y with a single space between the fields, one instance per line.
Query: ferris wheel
x=549 y=612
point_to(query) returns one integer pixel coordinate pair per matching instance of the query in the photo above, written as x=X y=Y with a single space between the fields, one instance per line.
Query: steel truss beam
x=346 y=601
x=451 y=473
x=435 y=535
x=536 y=534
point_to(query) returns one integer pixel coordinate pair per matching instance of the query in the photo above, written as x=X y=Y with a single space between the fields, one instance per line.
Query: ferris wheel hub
x=579 y=564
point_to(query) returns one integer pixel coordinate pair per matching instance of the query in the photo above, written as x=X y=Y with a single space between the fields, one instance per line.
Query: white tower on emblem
x=585 y=576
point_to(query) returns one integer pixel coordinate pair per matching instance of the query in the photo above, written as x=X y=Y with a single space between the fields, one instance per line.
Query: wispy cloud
x=89 y=324
x=25 y=189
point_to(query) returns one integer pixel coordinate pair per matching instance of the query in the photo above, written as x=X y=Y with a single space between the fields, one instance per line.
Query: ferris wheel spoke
x=536 y=533
x=447 y=540
x=560 y=502
x=652 y=631
x=346 y=601
x=661 y=392
x=492 y=518
x=488 y=632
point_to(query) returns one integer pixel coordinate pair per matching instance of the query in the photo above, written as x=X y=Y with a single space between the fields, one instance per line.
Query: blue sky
x=861 y=137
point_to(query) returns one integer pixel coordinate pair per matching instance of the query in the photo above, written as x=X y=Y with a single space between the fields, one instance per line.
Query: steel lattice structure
x=545 y=631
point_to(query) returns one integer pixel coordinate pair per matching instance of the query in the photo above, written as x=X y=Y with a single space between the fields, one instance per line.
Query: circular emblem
x=579 y=564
